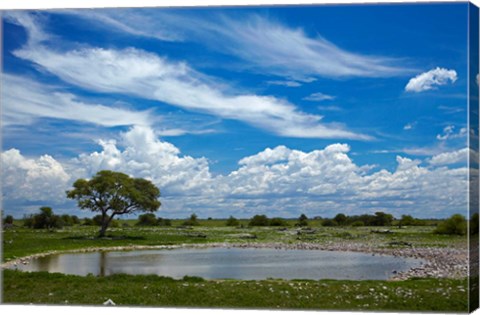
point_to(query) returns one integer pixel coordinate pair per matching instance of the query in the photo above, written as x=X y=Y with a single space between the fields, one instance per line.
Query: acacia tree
x=114 y=193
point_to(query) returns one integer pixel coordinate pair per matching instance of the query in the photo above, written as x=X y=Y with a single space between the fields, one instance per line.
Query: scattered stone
x=109 y=303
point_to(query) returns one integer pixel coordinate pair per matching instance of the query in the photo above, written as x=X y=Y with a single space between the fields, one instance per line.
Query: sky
x=279 y=110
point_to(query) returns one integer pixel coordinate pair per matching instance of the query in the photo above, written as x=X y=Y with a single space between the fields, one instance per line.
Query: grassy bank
x=20 y=242
x=410 y=295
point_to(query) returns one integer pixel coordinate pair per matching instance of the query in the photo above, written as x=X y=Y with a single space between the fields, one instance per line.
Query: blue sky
x=236 y=111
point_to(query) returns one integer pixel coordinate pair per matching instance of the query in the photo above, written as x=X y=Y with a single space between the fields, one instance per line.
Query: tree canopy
x=114 y=193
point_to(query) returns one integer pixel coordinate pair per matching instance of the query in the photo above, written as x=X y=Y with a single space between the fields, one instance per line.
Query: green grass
x=44 y=288
x=19 y=242
x=410 y=295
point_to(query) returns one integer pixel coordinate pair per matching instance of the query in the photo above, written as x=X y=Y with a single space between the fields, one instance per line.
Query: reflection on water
x=235 y=263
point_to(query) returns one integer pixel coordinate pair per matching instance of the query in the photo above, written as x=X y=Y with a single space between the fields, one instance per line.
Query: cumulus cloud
x=147 y=75
x=276 y=181
x=25 y=100
x=446 y=158
x=32 y=179
x=319 y=97
x=431 y=79
x=144 y=155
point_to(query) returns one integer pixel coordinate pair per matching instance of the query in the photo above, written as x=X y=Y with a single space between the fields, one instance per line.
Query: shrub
x=382 y=219
x=164 y=222
x=43 y=220
x=88 y=222
x=302 y=220
x=358 y=223
x=259 y=220
x=278 y=222
x=455 y=225
x=67 y=220
x=341 y=219
x=8 y=220
x=192 y=221
x=75 y=219
x=232 y=221
x=147 y=219
x=329 y=222
x=407 y=220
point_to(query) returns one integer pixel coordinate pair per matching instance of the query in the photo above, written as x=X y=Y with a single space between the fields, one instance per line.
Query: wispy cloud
x=318 y=97
x=147 y=75
x=410 y=126
x=136 y=22
x=287 y=83
x=431 y=79
x=25 y=100
x=267 y=45
x=449 y=133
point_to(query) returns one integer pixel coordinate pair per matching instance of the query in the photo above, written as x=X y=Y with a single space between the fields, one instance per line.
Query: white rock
x=109 y=303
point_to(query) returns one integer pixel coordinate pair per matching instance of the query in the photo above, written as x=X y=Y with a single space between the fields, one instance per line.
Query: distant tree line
x=149 y=219
x=46 y=219
x=377 y=219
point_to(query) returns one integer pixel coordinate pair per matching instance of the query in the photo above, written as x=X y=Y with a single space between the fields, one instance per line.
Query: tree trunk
x=103 y=229
x=105 y=222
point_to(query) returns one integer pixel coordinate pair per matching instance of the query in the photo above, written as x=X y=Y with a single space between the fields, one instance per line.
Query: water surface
x=234 y=263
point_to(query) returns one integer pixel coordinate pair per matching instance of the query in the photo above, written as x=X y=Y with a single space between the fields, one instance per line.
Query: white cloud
x=146 y=156
x=270 y=46
x=32 y=179
x=25 y=100
x=288 y=83
x=410 y=126
x=276 y=181
x=449 y=133
x=447 y=158
x=132 y=21
x=136 y=72
x=431 y=79
x=319 y=97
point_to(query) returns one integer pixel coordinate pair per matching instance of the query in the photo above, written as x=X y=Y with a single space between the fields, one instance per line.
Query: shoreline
x=439 y=262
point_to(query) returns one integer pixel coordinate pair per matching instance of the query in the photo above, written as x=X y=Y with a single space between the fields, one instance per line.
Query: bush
x=43 y=220
x=8 y=220
x=164 y=222
x=341 y=219
x=358 y=223
x=329 y=222
x=147 y=219
x=259 y=220
x=67 y=220
x=278 y=222
x=88 y=222
x=75 y=219
x=192 y=221
x=232 y=221
x=302 y=220
x=455 y=225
